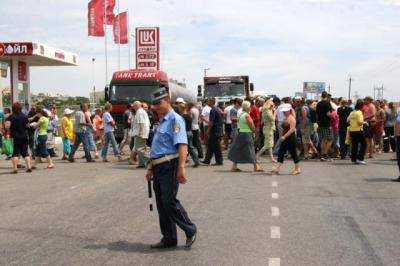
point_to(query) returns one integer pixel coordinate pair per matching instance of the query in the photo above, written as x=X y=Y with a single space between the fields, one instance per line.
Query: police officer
x=167 y=169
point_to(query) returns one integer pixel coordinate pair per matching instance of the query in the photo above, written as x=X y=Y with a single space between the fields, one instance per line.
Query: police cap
x=158 y=95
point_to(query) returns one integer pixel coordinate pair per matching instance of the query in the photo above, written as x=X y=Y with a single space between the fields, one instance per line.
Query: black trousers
x=170 y=211
x=358 y=146
x=389 y=132
x=197 y=143
x=398 y=150
x=288 y=144
x=214 y=148
x=344 y=148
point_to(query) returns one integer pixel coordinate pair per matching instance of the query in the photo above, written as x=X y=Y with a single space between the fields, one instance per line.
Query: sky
x=279 y=44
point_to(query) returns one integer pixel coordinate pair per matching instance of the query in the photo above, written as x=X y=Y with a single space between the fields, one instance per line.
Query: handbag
x=8 y=146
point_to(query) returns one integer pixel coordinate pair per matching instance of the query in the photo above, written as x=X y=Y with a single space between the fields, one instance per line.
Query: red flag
x=96 y=18
x=121 y=28
x=110 y=4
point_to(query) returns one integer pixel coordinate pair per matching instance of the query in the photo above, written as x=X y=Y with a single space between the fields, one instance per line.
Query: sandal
x=296 y=172
x=50 y=167
x=236 y=170
x=275 y=171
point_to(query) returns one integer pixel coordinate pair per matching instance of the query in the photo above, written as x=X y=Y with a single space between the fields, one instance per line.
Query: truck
x=225 y=88
x=139 y=85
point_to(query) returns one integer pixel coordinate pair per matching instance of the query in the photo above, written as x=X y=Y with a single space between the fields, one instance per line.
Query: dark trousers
x=31 y=142
x=398 y=150
x=358 y=146
x=344 y=148
x=214 y=148
x=80 y=138
x=389 y=132
x=170 y=211
x=197 y=143
x=288 y=144
x=191 y=149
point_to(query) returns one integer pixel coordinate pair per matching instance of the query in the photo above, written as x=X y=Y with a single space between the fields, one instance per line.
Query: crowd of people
x=295 y=128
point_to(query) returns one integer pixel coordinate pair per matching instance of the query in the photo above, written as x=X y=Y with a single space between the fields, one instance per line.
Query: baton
x=150 y=195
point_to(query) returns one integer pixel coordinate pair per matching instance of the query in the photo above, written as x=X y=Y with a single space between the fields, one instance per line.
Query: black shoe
x=206 y=163
x=91 y=161
x=190 y=241
x=396 y=180
x=217 y=164
x=29 y=170
x=140 y=167
x=71 y=160
x=163 y=245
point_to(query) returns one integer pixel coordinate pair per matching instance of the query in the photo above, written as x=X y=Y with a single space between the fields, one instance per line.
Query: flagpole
x=129 y=42
x=105 y=38
x=119 y=38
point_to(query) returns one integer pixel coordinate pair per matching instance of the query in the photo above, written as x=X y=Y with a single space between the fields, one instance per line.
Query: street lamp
x=94 y=86
x=205 y=71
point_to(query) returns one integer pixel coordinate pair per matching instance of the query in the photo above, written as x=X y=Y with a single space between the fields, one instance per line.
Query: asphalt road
x=97 y=214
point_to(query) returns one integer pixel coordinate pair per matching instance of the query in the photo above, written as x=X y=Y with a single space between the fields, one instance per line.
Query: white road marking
x=275 y=211
x=274 y=262
x=274 y=184
x=275 y=232
x=74 y=187
x=275 y=195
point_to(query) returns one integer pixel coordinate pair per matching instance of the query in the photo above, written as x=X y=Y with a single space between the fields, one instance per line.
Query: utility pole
x=205 y=71
x=378 y=92
x=350 y=81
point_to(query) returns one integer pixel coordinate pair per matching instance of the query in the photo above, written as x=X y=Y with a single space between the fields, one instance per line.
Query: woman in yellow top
x=358 y=143
x=41 y=149
x=67 y=132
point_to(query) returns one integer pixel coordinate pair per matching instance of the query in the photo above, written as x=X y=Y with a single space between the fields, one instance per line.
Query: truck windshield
x=224 y=89
x=131 y=93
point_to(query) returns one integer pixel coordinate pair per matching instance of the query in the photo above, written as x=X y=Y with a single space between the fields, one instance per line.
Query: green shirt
x=242 y=122
x=43 y=125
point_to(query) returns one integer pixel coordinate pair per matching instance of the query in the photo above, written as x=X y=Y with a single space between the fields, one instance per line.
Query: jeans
x=80 y=138
x=170 y=211
x=109 y=138
x=196 y=143
x=398 y=150
x=358 y=146
x=192 y=150
x=342 y=143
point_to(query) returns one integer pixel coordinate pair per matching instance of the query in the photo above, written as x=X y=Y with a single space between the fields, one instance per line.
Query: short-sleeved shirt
x=43 y=125
x=356 y=118
x=19 y=127
x=205 y=113
x=233 y=114
x=141 y=117
x=195 y=118
x=107 y=122
x=323 y=108
x=69 y=128
x=256 y=116
x=228 y=114
x=126 y=116
x=169 y=134
x=79 y=125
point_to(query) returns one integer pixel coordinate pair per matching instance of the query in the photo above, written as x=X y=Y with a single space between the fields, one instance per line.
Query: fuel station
x=21 y=56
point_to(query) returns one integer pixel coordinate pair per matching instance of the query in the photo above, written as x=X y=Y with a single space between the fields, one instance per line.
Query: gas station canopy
x=20 y=56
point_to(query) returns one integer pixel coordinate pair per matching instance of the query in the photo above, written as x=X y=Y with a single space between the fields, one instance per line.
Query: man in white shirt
x=196 y=129
x=205 y=118
x=140 y=131
x=228 y=122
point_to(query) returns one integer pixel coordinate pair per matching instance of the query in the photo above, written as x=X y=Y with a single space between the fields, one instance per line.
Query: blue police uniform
x=169 y=134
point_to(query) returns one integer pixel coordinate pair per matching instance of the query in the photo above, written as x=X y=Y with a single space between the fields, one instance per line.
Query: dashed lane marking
x=275 y=232
x=275 y=195
x=274 y=211
x=274 y=184
x=274 y=262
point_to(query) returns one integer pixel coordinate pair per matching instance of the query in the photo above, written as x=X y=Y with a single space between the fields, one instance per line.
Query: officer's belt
x=164 y=159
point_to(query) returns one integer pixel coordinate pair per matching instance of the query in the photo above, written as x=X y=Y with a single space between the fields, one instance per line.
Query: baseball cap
x=180 y=100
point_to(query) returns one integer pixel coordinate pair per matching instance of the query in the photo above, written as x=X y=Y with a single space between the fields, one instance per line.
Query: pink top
x=335 y=121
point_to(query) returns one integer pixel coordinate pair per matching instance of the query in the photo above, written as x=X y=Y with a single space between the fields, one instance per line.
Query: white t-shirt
x=141 y=117
x=195 y=118
x=228 y=114
x=239 y=112
x=205 y=113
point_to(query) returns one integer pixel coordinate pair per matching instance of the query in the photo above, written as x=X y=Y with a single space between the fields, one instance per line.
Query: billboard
x=148 y=48
x=314 y=87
